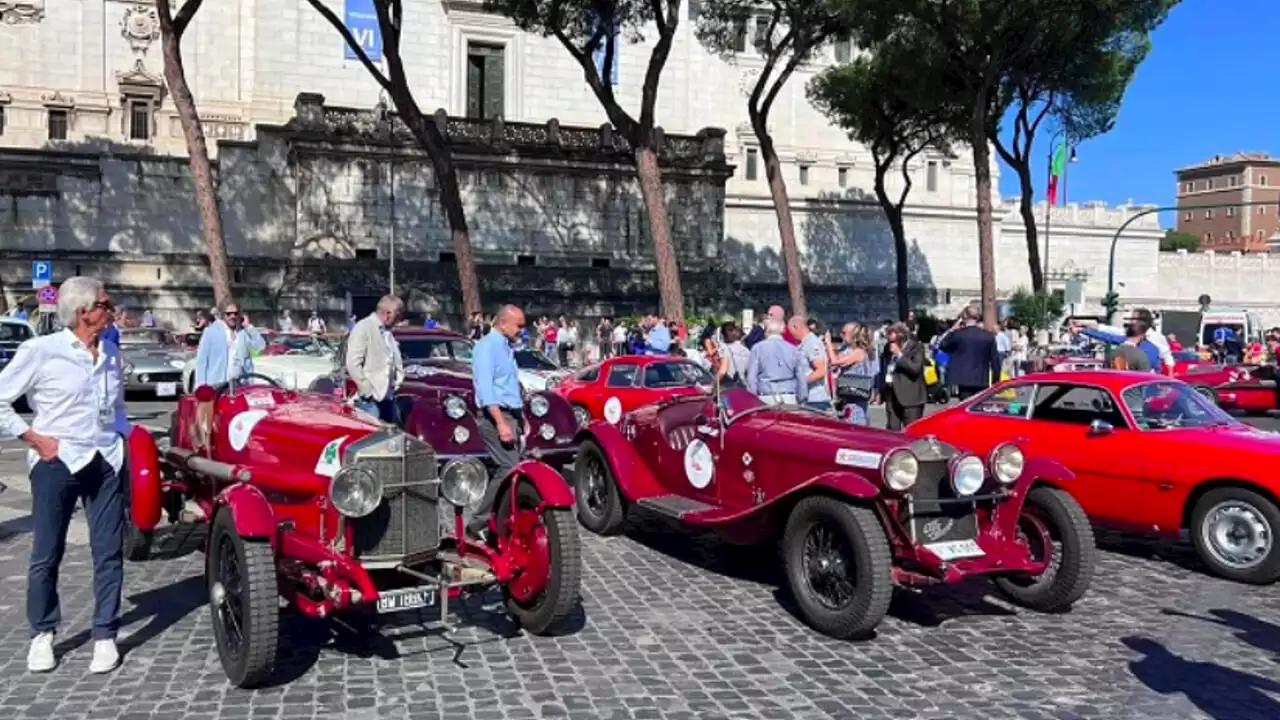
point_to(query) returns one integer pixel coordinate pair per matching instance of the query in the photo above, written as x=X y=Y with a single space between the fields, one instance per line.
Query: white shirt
x=315 y=325
x=233 y=370
x=75 y=400
x=619 y=334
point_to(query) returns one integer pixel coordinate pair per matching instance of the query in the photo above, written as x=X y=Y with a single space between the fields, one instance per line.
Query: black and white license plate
x=390 y=601
x=956 y=550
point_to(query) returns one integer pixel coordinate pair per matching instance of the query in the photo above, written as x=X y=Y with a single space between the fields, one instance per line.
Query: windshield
x=1229 y=332
x=534 y=360
x=299 y=344
x=137 y=338
x=14 y=332
x=1165 y=405
x=675 y=374
x=412 y=348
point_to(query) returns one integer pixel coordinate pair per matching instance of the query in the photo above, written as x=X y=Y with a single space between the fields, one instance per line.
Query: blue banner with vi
x=362 y=20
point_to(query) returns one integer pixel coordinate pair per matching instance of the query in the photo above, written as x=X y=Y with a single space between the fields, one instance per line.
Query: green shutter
x=494 y=84
x=475 y=75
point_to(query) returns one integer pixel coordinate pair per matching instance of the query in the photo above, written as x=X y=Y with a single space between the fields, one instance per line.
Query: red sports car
x=1150 y=455
x=607 y=390
x=1247 y=388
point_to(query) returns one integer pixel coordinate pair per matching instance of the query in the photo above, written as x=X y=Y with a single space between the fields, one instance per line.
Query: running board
x=674 y=506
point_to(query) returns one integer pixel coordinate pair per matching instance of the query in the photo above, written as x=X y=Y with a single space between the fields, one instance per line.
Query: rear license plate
x=956 y=549
x=166 y=389
x=390 y=601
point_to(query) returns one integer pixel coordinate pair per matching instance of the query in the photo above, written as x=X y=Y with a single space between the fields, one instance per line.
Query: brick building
x=1241 y=178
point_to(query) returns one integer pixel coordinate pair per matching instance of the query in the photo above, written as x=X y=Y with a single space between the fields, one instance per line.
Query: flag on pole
x=1055 y=172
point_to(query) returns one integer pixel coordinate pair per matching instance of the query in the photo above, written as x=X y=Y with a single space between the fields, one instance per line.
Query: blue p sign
x=41 y=273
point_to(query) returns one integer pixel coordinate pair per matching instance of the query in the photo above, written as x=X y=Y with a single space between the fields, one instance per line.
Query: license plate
x=166 y=389
x=956 y=549
x=407 y=599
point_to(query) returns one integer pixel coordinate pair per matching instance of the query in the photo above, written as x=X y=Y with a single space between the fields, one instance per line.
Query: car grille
x=934 y=521
x=406 y=523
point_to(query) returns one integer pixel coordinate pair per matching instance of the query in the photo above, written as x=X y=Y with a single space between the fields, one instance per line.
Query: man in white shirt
x=74 y=383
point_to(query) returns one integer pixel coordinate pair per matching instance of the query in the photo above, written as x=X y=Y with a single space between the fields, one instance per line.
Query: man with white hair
x=374 y=362
x=776 y=372
x=74 y=383
x=225 y=351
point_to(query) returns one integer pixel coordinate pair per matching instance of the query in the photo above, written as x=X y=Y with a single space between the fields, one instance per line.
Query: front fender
x=145 y=482
x=630 y=472
x=551 y=486
x=1047 y=471
x=845 y=482
x=249 y=510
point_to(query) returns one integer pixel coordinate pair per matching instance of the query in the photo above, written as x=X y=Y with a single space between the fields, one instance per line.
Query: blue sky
x=1209 y=86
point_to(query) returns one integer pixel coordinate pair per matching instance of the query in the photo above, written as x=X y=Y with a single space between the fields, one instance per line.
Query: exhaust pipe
x=189 y=460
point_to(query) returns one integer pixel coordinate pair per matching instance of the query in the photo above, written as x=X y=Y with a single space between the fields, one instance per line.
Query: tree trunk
x=986 y=243
x=893 y=214
x=786 y=226
x=451 y=199
x=4 y=300
x=670 y=295
x=1027 y=209
x=197 y=157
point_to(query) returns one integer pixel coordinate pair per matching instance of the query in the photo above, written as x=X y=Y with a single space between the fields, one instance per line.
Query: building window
x=1208 y=238
x=804 y=174
x=1208 y=214
x=1231 y=235
x=931 y=176
x=753 y=163
x=1262 y=209
x=1186 y=216
x=1231 y=212
x=1262 y=179
x=486 y=81
x=842 y=176
x=844 y=49
x=1261 y=235
x=762 y=31
x=58 y=121
x=139 y=120
x=740 y=35
x=1186 y=187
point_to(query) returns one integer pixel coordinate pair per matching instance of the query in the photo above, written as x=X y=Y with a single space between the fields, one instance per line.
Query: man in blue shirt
x=501 y=420
x=776 y=372
x=659 y=338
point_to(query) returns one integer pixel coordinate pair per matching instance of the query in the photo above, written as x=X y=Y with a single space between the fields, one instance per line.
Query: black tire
x=601 y=508
x=250 y=659
x=860 y=540
x=1065 y=582
x=137 y=543
x=1249 y=508
x=581 y=416
x=1207 y=393
x=545 y=613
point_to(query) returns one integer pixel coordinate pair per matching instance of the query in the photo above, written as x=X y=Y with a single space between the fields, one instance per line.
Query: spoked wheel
x=601 y=508
x=1056 y=531
x=243 y=602
x=838 y=566
x=543 y=544
x=582 y=416
x=1234 y=532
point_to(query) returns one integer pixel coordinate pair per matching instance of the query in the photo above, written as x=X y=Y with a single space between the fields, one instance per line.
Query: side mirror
x=1101 y=427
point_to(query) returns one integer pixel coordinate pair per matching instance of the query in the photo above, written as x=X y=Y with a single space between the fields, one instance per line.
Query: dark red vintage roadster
x=322 y=506
x=856 y=510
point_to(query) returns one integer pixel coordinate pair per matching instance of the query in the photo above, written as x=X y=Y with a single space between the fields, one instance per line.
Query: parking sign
x=41 y=274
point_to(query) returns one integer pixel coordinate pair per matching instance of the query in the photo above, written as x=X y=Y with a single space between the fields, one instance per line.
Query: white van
x=1245 y=325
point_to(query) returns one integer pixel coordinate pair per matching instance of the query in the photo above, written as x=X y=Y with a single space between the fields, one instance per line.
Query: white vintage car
x=291 y=360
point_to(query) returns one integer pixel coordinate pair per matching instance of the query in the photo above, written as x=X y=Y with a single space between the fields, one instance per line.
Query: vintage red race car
x=1250 y=389
x=607 y=390
x=857 y=510
x=322 y=506
x=1150 y=455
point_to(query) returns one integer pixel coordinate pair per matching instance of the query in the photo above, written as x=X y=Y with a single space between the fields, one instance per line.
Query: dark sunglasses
x=231 y=314
x=103 y=305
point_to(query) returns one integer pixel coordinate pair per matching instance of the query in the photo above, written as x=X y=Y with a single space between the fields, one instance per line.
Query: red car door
x=616 y=394
x=1084 y=428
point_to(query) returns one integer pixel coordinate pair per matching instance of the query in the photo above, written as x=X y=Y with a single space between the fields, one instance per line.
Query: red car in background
x=1245 y=388
x=1150 y=455
x=607 y=390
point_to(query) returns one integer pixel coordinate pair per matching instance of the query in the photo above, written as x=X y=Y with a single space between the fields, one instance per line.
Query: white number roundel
x=242 y=426
x=699 y=466
x=613 y=410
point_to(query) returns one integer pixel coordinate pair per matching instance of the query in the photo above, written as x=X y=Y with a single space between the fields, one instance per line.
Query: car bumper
x=154 y=382
x=1001 y=556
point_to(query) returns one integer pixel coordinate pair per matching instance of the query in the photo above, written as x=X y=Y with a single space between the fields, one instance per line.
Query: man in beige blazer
x=374 y=362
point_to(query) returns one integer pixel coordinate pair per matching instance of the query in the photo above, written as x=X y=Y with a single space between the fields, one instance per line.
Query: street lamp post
x=1115 y=239
x=1048 y=206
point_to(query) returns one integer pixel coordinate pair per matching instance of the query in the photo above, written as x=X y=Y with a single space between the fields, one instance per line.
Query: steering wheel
x=240 y=382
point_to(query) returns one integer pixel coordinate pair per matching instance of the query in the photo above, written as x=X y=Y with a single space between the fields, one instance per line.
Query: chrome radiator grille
x=406 y=523
x=933 y=521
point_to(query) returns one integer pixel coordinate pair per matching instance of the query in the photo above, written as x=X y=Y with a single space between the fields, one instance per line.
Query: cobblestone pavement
x=673 y=628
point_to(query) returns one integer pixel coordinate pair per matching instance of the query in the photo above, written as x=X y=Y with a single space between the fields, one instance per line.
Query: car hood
x=825 y=439
x=439 y=373
x=153 y=358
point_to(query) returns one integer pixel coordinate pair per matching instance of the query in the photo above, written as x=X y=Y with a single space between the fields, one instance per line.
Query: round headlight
x=143 y=377
x=355 y=492
x=901 y=469
x=547 y=431
x=128 y=368
x=461 y=434
x=455 y=407
x=968 y=475
x=463 y=481
x=539 y=406
x=1007 y=463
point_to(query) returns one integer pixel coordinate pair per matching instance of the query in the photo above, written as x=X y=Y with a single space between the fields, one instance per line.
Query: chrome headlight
x=1007 y=463
x=128 y=368
x=455 y=407
x=463 y=481
x=968 y=475
x=143 y=377
x=355 y=492
x=539 y=406
x=547 y=431
x=900 y=470
x=461 y=435
x=177 y=364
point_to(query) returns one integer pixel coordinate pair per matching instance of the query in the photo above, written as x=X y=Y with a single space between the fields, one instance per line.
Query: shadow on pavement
x=161 y=607
x=1250 y=630
x=1220 y=692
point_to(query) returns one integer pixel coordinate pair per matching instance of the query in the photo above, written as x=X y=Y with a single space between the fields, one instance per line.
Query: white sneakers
x=40 y=657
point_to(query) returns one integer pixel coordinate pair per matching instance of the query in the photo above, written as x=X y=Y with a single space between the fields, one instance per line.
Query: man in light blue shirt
x=817 y=396
x=501 y=422
x=224 y=351
x=659 y=338
x=776 y=372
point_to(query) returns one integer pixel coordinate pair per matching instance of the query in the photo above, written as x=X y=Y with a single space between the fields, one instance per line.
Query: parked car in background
x=618 y=385
x=1243 y=388
x=153 y=363
x=13 y=332
x=437 y=348
x=537 y=371
x=1150 y=455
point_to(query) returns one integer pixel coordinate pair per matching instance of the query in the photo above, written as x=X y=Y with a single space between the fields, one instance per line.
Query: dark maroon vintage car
x=855 y=510
x=437 y=401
